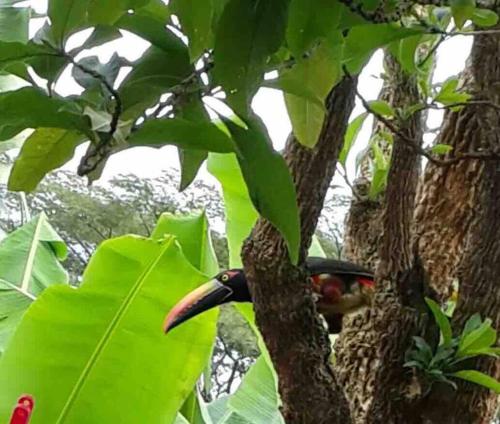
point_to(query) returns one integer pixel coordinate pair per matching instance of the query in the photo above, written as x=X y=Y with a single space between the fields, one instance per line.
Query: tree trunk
x=446 y=201
x=370 y=351
x=285 y=312
x=479 y=265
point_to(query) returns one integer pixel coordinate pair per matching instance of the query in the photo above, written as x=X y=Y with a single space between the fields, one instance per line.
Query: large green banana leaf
x=255 y=402
x=97 y=354
x=192 y=232
x=29 y=262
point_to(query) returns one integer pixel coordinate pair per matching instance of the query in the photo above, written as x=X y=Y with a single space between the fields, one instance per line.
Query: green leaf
x=473 y=323
x=462 y=10
x=382 y=108
x=449 y=94
x=316 y=249
x=100 y=35
x=380 y=171
x=196 y=18
x=182 y=133
x=117 y=313
x=191 y=410
x=240 y=219
x=13 y=143
x=441 y=149
x=379 y=182
x=179 y=419
x=191 y=108
x=44 y=150
x=149 y=23
x=108 y=70
x=478 y=378
x=482 y=337
x=414 y=364
x=318 y=74
x=423 y=349
x=217 y=409
x=239 y=211
x=484 y=17
x=439 y=376
x=450 y=85
x=190 y=161
x=405 y=51
x=248 y=33
x=260 y=164
x=408 y=111
x=29 y=263
x=107 y=12
x=192 y=232
x=14 y=24
x=441 y=320
x=4 y=3
x=66 y=17
x=309 y=21
x=256 y=400
x=290 y=84
x=488 y=351
x=15 y=51
x=442 y=355
x=350 y=137
x=30 y=108
x=49 y=66
x=363 y=40
x=153 y=74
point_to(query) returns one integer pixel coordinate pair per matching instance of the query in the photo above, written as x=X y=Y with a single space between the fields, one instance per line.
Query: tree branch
x=283 y=302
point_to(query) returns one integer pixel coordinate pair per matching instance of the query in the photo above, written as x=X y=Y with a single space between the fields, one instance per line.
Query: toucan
x=339 y=287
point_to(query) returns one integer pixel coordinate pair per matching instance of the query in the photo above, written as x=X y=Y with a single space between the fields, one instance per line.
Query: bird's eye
x=224 y=277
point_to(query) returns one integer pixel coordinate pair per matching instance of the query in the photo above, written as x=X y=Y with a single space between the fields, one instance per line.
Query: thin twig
x=471 y=102
x=415 y=145
x=349 y=184
x=431 y=51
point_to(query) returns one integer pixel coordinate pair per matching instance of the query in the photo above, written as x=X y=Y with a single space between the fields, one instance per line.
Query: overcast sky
x=267 y=103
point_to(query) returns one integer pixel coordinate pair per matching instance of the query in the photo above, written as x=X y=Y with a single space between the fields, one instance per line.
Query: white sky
x=268 y=103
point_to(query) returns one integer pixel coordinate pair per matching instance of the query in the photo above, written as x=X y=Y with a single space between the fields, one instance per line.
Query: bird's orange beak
x=205 y=297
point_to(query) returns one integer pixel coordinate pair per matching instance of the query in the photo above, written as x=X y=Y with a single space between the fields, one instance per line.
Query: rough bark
x=479 y=269
x=446 y=200
x=480 y=292
x=371 y=349
x=283 y=302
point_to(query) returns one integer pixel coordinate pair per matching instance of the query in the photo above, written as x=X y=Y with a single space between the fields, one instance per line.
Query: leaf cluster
x=222 y=51
x=446 y=363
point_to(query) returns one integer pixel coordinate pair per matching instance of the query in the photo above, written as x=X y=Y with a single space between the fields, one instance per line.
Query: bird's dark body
x=317 y=265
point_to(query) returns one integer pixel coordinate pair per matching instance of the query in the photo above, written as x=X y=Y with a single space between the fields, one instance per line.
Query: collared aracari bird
x=340 y=288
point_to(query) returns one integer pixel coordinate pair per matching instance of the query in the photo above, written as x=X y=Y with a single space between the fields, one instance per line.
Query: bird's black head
x=227 y=286
x=236 y=281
